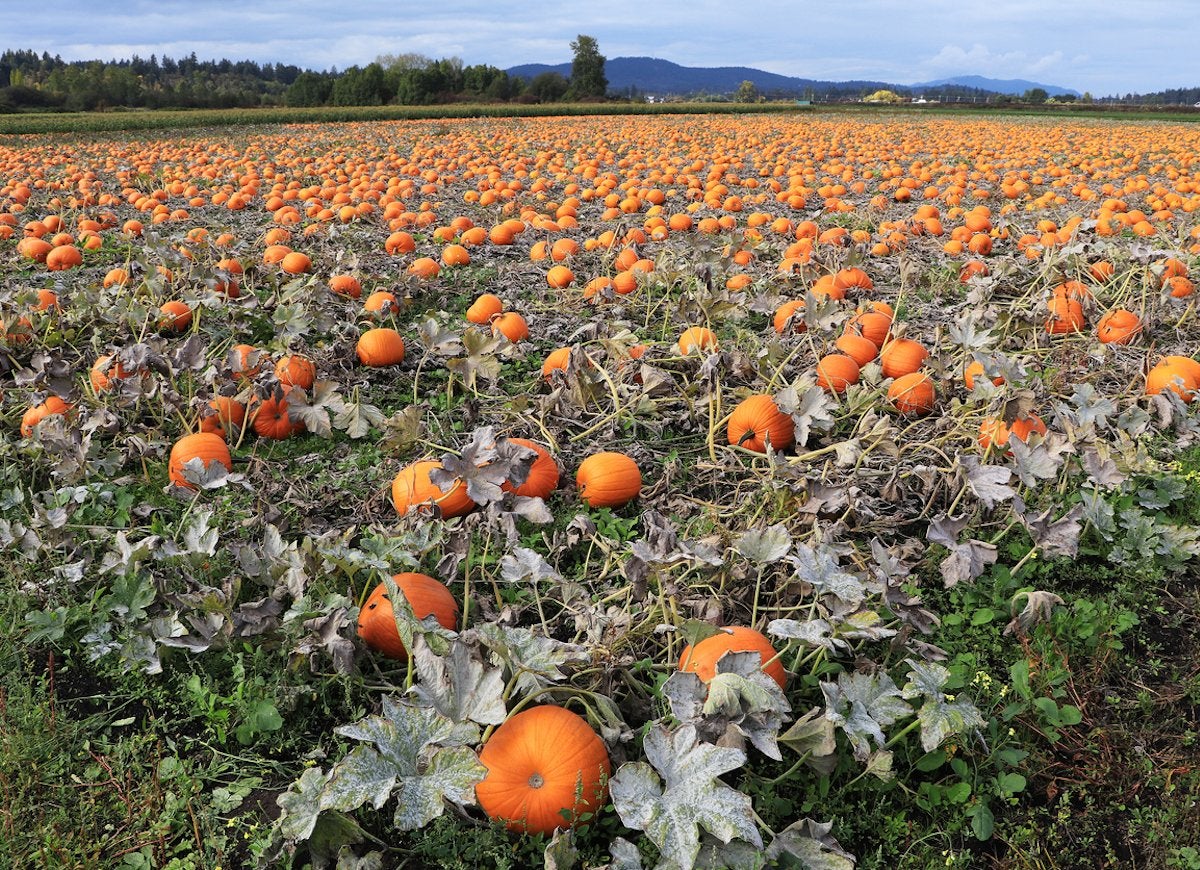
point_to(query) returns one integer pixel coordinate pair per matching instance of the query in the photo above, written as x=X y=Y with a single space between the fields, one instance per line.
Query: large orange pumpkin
x=206 y=446
x=608 y=479
x=412 y=488
x=755 y=419
x=296 y=371
x=53 y=405
x=546 y=768
x=697 y=339
x=511 y=325
x=425 y=595
x=836 y=371
x=902 y=356
x=379 y=347
x=912 y=393
x=702 y=658
x=543 y=474
x=271 y=419
x=484 y=308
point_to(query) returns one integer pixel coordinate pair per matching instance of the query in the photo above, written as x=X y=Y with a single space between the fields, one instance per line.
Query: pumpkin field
x=746 y=491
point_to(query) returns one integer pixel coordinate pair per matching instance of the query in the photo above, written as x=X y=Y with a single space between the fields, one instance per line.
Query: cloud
x=981 y=60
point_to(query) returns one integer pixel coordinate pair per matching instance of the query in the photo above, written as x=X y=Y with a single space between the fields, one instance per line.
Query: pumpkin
x=296 y=371
x=246 y=361
x=825 y=288
x=271 y=419
x=974 y=370
x=836 y=371
x=546 y=767
x=484 y=308
x=790 y=313
x=412 y=488
x=608 y=479
x=424 y=267
x=902 y=356
x=853 y=278
x=1102 y=271
x=104 y=372
x=382 y=346
x=871 y=325
x=912 y=393
x=64 y=257
x=697 y=339
x=176 y=316
x=49 y=408
x=296 y=263
x=511 y=325
x=1178 y=373
x=859 y=348
x=758 y=418
x=702 y=658
x=455 y=255
x=425 y=595
x=346 y=285
x=994 y=431
x=205 y=446
x=556 y=360
x=1118 y=326
x=543 y=474
x=381 y=302
x=1066 y=315
x=228 y=411
x=559 y=277
x=1180 y=287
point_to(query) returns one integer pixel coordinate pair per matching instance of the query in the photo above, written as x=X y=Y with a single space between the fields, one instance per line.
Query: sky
x=1097 y=46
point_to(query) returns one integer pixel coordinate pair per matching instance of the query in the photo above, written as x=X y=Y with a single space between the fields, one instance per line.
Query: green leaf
x=1069 y=715
x=48 y=625
x=1049 y=709
x=1011 y=783
x=982 y=821
x=983 y=616
x=301 y=805
x=687 y=797
x=931 y=761
x=863 y=705
x=958 y=793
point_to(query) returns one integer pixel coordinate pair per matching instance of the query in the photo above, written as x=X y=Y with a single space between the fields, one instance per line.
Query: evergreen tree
x=587 y=69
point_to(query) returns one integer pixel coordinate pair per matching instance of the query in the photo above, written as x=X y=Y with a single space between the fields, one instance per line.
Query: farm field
x=906 y=402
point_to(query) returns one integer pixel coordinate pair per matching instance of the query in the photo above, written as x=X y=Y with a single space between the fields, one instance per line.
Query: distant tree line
x=29 y=81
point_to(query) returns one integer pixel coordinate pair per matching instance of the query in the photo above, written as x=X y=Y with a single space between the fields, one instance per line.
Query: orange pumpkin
x=994 y=431
x=381 y=302
x=412 y=488
x=246 y=361
x=104 y=371
x=546 y=767
x=511 y=325
x=902 y=356
x=790 y=313
x=1066 y=315
x=346 y=285
x=425 y=595
x=379 y=347
x=296 y=371
x=52 y=406
x=702 y=658
x=758 y=418
x=1180 y=374
x=974 y=370
x=608 y=479
x=484 y=308
x=697 y=339
x=1118 y=326
x=206 y=446
x=229 y=411
x=556 y=360
x=543 y=474
x=271 y=419
x=177 y=316
x=296 y=263
x=912 y=393
x=836 y=371
x=871 y=325
x=859 y=348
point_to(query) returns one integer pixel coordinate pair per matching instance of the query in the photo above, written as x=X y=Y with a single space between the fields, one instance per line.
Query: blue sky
x=1090 y=45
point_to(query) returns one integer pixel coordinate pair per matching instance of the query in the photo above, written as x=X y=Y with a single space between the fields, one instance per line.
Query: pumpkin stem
x=748 y=435
x=536 y=780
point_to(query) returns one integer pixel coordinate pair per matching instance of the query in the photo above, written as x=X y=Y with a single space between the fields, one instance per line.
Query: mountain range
x=652 y=75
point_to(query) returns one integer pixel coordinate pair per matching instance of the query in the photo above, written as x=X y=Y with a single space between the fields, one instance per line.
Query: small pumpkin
x=229 y=411
x=245 y=361
x=205 y=446
x=271 y=418
x=1118 y=326
x=836 y=371
x=425 y=595
x=757 y=418
x=859 y=348
x=378 y=347
x=104 y=371
x=697 y=339
x=176 y=316
x=381 y=303
x=1066 y=315
x=543 y=474
x=702 y=658
x=511 y=325
x=902 y=356
x=790 y=313
x=346 y=285
x=296 y=371
x=49 y=408
x=556 y=360
x=412 y=488
x=975 y=370
x=912 y=393
x=546 y=767
x=484 y=308
x=608 y=479
x=995 y=432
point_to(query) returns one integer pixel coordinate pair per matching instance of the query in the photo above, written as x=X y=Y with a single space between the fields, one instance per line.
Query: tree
x=587 y=69
x=1036 y=96
x=746 y=93
x=548 y=87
